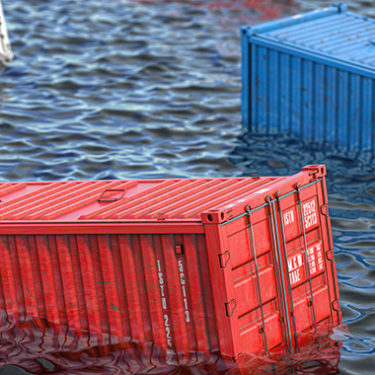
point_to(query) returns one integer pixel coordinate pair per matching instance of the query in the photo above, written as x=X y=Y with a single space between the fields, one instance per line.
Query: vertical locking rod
x=307 y=261
x=253 y=250
x=278 y=199
x=276 y=246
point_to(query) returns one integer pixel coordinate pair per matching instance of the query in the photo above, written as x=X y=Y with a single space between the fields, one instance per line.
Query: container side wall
x=308 y=99
x=273 y=94
x=320 y=97
x=253 y=81
x=285 y=92
x=295 y=123
x=141 y=289
x=331 y=103
x=261 y=87
x=367 y=121
x=246 y=76
x=342 y=136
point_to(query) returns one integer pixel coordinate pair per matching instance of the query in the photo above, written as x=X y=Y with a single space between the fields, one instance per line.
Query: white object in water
x=5 y=51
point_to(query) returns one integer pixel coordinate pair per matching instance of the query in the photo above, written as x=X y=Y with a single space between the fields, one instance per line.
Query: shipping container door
x=250 y=266
x=304 y=229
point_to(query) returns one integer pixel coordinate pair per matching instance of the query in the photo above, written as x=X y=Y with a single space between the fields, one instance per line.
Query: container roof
x=332 y=32
x=124 y=199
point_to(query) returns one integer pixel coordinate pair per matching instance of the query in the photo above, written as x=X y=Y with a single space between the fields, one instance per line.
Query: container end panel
x=282 y=268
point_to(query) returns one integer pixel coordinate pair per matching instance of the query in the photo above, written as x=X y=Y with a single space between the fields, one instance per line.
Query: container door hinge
x=329 y=255
x=230 y=307
x=224 y=259
x=336 y=305
x=324 y=209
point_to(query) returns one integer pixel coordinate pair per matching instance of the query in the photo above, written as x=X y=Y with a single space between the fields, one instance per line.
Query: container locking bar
x=258 y=290
x=285 y=252
x=281 y=280
x=306 y=253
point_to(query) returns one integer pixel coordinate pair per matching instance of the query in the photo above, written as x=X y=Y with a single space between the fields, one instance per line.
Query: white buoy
x=5 y=50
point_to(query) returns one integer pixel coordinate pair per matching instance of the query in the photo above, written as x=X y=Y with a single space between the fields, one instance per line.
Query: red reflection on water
x=40 y=349
x=266 y=9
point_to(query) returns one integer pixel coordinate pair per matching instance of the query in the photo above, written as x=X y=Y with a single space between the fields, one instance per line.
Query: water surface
x=136 y=89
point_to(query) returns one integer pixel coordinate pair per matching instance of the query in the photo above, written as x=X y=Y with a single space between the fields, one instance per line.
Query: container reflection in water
x=45 y=350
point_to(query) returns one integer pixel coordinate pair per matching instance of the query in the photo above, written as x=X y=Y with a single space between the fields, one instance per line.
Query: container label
x=183 y=289
x=162 y=286
x=288 y=217
x=310 y=216
x=296 y=263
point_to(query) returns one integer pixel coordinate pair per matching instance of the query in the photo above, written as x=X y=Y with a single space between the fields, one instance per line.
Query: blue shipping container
x=312 y=76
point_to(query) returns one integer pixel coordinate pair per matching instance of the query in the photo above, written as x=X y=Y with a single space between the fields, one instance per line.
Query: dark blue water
x=135 y=89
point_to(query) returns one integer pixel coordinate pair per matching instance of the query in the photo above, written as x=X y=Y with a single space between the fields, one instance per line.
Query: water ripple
x=136 y=89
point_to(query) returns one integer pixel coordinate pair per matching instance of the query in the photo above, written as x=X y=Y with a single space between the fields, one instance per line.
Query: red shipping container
x=229 y=265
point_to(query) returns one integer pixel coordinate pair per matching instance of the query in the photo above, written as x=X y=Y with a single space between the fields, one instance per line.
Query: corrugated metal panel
x=312 y=76
x=123 y=199
x=344 y=36
x=108 y=286
x=233 y=281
